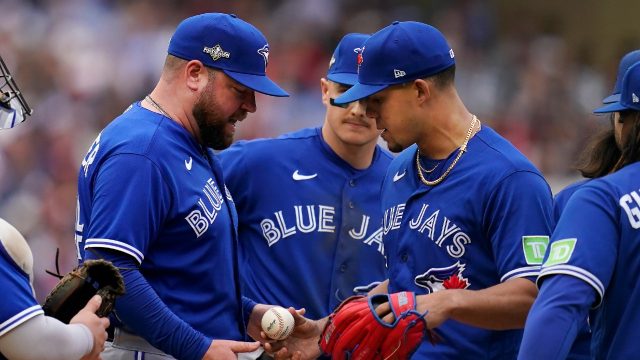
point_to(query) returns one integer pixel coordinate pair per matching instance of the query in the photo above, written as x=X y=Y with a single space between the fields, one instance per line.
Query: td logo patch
x=534 y=248
x=560 y=252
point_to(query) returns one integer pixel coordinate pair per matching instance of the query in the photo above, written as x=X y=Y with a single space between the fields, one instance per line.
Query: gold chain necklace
x=428 y=171
x=462 y=150
x=157 y=106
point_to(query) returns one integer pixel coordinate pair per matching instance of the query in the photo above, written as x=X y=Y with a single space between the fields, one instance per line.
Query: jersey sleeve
x=518 y=222
x=130 y=202
x=17 y=305
x=556 y=319
x=585 y=241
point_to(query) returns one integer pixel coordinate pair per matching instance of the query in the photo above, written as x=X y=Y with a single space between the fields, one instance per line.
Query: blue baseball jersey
x=561 y=198
x=17 y=304
x=489 y=221
x=597 y=240
x=310 y=225
x=146 y=188
x=582 y=344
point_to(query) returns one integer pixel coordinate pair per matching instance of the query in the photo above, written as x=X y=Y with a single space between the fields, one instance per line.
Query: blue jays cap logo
x=264 y=51
x=360 y=57
x=436 y=279
x=216 y=52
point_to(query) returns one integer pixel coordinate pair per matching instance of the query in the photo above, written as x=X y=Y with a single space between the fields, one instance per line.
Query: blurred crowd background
x=532 y=70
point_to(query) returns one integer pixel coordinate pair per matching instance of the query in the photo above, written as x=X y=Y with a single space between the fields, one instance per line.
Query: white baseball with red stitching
x=277 y=323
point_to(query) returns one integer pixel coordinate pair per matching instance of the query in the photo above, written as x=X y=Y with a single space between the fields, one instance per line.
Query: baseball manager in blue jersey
x=320 y=240
x=25 y=332
x=466 y=215
x=592 y=261
x=152 y=198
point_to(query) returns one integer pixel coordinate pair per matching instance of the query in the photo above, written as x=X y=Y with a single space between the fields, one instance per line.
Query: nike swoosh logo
x=188 y=164
x=298 y=176
x=399 y=176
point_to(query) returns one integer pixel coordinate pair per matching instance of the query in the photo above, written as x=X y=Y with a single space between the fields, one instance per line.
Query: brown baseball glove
x=75 y=289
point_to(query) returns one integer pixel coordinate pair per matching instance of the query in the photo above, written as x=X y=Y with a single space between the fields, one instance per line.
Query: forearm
x=142 y=310
x=500 y=307
x=43 y=337
x=556 y=317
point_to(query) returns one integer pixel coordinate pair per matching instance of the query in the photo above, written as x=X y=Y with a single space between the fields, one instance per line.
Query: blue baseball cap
x=343 y=67
x=401 y=52
x=625 y=63
x=629 y=95
x=225 y=42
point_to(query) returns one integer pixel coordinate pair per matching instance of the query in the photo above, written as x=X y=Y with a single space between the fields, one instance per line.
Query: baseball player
x=321 y=241
x=604 y=153
x=599 y=160
x=591 y=262
x=152 y=198
x=21 y=318
x=466 y=216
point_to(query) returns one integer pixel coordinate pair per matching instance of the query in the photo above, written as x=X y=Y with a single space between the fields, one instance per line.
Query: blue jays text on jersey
x=309 y=223
x=147 y=189
x=489 y=221
x=597 y=240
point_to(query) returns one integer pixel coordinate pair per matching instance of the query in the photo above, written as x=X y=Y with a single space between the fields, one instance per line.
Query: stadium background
x=532 y=70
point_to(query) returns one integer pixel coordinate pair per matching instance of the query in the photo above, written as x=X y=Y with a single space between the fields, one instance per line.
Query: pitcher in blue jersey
x=466 y=216
x=152 y=198
x=591 y=263
x=309 y=218
x=25 y=332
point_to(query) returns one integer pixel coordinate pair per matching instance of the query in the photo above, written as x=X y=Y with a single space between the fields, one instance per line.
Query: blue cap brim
x=344 y=78
x=613 y=107
x=611 y=99
x=259 y=83
x=359 y=91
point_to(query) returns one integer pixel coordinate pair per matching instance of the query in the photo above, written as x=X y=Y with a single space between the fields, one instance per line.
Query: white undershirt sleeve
x=44 y=337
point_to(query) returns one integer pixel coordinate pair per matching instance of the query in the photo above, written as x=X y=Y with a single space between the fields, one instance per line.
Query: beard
x=211 y=122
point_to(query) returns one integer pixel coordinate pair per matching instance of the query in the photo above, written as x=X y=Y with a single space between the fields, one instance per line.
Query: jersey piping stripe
x=529 y=270
x=575 y=271
x=115 y=245
x=20 y=318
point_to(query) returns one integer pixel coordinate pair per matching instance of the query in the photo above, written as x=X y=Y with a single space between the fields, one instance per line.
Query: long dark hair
x=631 y=143
x=601 y=155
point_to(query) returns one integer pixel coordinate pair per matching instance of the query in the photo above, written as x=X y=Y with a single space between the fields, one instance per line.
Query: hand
x=438 y=306
x=302 y=344
x=229 y=349
x=98 y=326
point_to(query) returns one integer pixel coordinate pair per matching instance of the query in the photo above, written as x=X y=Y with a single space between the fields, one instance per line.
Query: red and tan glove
x=356 y=332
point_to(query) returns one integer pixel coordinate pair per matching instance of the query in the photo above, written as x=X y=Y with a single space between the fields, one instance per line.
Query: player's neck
x=446 y=132
x=358 y=156
x=169 y=105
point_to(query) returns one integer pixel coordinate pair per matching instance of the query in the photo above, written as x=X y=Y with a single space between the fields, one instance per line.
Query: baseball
x=277 y=323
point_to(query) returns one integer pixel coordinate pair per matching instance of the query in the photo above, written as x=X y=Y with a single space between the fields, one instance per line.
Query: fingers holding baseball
x=302 y=343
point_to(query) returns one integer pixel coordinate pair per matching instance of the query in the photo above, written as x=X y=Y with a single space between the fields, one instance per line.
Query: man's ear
x=423 y=90
x=324 y=89
x=196 y=75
